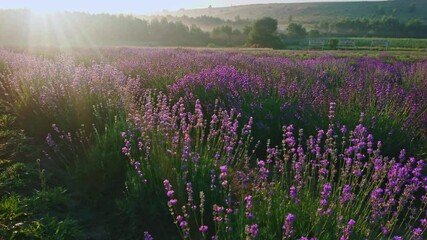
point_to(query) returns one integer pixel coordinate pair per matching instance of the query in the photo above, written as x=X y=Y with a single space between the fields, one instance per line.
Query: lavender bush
x=305 y=188
x=297 y=92
x=43 y=91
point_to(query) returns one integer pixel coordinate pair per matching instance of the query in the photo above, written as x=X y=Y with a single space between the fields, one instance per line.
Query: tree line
x=22 y=27
x=386 y=26
x=206 y=22
x=18 y=27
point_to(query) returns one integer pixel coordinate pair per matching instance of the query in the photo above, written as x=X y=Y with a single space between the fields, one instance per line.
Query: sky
x=130 y=6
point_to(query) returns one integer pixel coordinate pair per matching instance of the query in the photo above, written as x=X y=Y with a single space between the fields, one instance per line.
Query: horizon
x=134 y=8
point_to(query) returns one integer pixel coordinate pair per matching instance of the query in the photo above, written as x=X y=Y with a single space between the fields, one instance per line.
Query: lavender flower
x=325 y=194
x=169 y=192
x=147 y=236
x=253 y=230
x=377 y=203
x=346 y=233
x=287 y=227
x=203 y=228
x=417 y=234
x=294 y=194
x=248 y=206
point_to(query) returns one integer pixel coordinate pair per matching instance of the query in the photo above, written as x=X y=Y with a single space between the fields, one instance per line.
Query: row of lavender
x=277 y=90
x=219 y=182
x=335 y=184
x=274 y=90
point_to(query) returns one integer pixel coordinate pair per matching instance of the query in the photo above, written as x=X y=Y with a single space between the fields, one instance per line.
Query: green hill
x=310 y=14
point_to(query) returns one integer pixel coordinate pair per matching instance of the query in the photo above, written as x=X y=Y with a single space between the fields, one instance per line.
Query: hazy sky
x=130 y=6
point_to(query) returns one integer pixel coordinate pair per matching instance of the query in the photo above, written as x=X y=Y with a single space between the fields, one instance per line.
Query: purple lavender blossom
x=347 y=231
x=203 y=228
x=377 y=202
x=294 y=194
x=287 y=227
x=248 y=206
x=253 y=230
x=147 y=236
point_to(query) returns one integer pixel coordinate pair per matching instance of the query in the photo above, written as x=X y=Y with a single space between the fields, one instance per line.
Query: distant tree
x=290 y=18
x=227 y=36
x=415 y=28
x=333 y=43
x=197 y=36
x=227 y=30
x=221 y=35
x=389 y=27
x=412 y=7
x=324 y=26
x=348 y=26
x=247 y=29
x=106 y=29
x=313 y=33
x=296 y=30
x=380 y=10
x=264 y=34
x=236 y=32
x=393 y=13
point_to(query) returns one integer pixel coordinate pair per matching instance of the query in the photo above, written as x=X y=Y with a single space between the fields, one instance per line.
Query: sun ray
x=61 y=30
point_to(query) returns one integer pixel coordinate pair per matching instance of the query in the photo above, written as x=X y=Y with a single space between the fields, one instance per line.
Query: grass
x=364 y=44
x=28 y=208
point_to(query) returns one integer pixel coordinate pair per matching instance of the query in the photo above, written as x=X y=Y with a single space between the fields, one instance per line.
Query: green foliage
x=17 y=177
x=49 y=200
x=90 y=161
x=263 y=34
x=380 y=10
x=11 y=210
x=313 y=12
x=412 y=7
x=414 y=26
x=104 y=29
x=395 y=44
x=313 y=33
x=296 y=31
x=25 y=212
x=333 y=43
x=49 y=228
x=102 y=171
x=324 y=26
x=227 y=36
x=386 y=26
x=18 y=219
x=206 y=22
x=142 y=200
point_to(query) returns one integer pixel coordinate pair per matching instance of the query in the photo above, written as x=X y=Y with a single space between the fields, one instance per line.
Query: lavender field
x=135 y=143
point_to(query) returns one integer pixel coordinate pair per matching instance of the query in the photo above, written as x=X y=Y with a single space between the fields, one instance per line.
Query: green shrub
x=333 y=43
